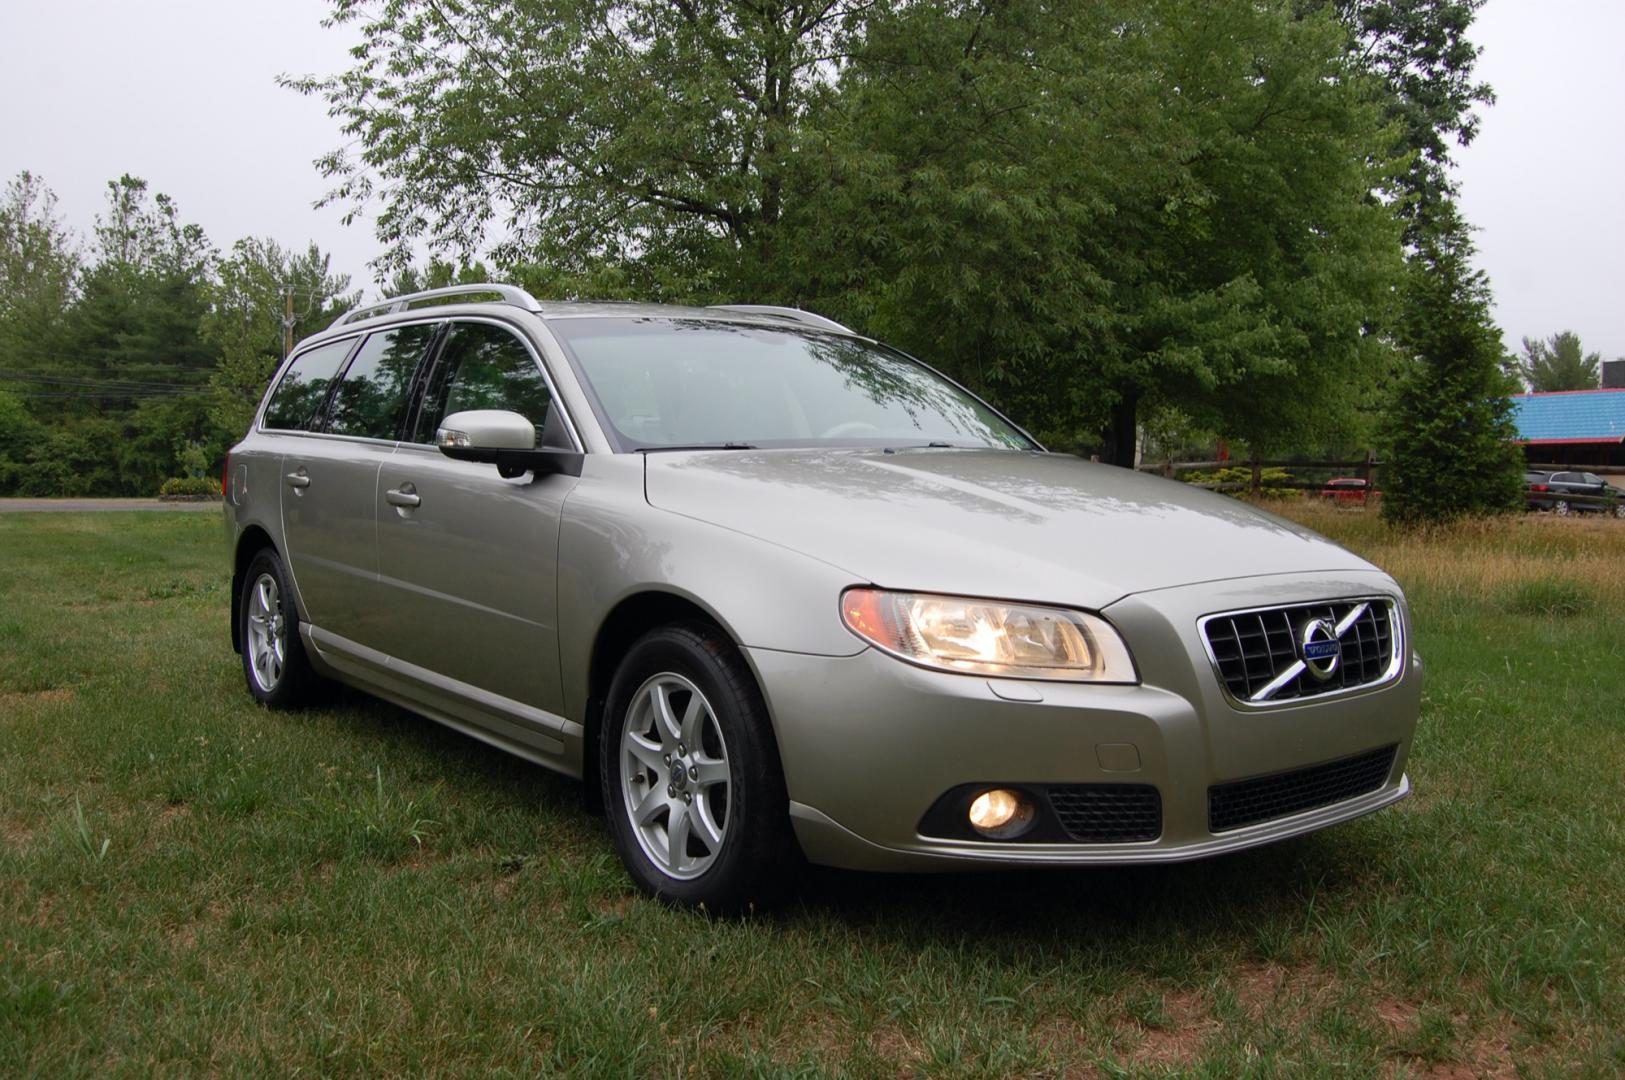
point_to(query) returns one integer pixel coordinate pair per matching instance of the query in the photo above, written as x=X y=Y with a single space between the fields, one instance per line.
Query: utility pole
x=289 y=318
x=287 y=321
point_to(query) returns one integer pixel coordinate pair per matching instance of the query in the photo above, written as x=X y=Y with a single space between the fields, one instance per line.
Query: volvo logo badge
x=1319 y=647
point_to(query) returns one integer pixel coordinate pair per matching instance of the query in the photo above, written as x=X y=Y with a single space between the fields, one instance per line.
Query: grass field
x=189 y=884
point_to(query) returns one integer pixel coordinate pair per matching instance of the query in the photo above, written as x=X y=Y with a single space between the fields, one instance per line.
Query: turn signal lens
x=989 y=637
x=1000 y=813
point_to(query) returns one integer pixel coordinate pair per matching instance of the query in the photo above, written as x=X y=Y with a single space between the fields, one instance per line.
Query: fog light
x=1000 y=813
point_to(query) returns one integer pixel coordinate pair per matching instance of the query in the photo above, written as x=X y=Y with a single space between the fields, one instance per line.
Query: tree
x=1559 y=363
x=39 y=262
x=649 y=129
x=1421 y=52
x=248 y=300
x=1086 y=211
x=1451 y=430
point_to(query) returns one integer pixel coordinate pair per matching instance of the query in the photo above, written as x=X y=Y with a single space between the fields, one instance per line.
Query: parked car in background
x=1348 y=490
x=773 y=590
x=1565 y=493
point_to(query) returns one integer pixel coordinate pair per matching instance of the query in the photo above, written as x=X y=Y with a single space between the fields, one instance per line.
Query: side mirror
x=504 y=439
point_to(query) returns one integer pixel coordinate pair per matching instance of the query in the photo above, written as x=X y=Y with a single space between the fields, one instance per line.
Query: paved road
x=13 y=506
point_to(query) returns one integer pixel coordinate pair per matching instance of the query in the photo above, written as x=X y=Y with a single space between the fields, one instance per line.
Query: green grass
x=190 y=884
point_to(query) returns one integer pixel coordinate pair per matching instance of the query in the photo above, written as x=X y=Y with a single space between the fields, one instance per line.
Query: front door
x=468 y=560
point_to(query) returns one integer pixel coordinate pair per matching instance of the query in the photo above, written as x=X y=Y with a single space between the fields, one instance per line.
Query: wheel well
x=631 y=619
x=251 y=543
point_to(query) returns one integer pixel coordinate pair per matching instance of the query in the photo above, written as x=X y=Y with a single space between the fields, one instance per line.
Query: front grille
x=1108 y=813
x=1247 y=802
x=1254 y=648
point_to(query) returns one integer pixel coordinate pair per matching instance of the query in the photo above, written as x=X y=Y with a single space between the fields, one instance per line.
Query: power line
x=111 y=387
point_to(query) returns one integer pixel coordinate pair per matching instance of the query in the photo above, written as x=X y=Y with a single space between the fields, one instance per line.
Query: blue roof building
x=1572 y=427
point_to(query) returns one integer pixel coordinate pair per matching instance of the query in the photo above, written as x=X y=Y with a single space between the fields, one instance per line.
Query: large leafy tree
x=1559 y=363
x=1421 y=52
x=1086 y=209
x=581 y=130
x=1089 y=210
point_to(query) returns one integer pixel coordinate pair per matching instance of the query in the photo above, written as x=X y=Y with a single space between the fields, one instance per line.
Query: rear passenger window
x=304 y=385
x=369 y=400
x=484 y=367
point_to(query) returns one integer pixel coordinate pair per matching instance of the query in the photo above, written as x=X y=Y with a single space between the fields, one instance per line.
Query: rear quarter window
x=304 y=385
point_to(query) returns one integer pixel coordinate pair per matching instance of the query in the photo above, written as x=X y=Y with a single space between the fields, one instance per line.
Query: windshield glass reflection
x=695 y=382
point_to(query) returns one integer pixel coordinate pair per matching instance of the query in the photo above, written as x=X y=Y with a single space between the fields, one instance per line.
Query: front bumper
x=869 y=743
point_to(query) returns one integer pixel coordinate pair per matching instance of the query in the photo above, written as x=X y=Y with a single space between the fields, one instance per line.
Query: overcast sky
x=182 y=93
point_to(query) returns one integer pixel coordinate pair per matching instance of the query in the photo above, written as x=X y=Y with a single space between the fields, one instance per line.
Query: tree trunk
x=1122 y=436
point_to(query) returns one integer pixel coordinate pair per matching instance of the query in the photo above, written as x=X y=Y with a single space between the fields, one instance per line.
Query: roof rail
x=510 y=294
x=790 y=313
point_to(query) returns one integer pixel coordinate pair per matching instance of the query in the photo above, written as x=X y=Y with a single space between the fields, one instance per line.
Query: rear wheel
x=690 y=774
x=1561 y=508
x=274 y=661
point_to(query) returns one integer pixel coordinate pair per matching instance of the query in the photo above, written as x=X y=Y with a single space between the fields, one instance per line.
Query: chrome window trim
x=1396 y=659
x=373 y=327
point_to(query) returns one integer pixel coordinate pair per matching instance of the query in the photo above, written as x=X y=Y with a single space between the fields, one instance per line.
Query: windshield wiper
x=697 y=446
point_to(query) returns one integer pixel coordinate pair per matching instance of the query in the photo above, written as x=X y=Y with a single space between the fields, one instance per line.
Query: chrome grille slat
x=1254 y=652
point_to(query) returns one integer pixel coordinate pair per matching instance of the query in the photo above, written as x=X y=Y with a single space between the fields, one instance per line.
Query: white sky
x=181 y=92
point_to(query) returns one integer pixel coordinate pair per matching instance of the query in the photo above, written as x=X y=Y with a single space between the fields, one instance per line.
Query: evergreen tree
x=1559 y=363
x=1450 y=428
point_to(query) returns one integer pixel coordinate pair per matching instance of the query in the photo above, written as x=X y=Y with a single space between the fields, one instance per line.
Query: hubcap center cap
x=679 y=774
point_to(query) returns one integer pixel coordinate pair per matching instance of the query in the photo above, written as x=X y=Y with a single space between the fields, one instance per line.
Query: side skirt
x=522 y=730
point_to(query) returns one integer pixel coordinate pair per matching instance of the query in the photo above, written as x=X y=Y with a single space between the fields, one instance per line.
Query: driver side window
x=483 y=366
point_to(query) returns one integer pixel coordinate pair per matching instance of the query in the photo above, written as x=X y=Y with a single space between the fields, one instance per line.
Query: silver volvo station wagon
x=780 y=591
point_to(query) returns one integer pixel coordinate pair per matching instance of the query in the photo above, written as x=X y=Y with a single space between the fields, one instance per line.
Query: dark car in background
x=1565 y=493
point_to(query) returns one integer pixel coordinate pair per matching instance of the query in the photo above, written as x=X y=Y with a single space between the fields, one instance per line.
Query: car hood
x=997 y=523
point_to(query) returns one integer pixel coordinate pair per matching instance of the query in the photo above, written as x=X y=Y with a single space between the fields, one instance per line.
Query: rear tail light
x=1537 y=487
x=225 y=476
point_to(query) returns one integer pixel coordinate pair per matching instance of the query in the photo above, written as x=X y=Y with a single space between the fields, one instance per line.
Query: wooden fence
x=1368 y=469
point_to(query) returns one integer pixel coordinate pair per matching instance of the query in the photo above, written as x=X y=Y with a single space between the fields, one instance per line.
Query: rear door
x=330 y=483
x=468 y=560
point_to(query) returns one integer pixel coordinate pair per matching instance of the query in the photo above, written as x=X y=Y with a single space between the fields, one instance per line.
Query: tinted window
x=484 y=367
x=673 y=382
x=369 y=400
x=304 y=386
x=1593 y=478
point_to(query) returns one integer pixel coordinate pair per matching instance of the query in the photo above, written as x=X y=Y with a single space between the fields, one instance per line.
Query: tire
x=1619 y=510
x=1561 y=508
x=693 y=790
x=274 y=662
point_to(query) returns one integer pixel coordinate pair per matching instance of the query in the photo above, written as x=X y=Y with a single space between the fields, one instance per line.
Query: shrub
x=1270 y=481
x=189 y=487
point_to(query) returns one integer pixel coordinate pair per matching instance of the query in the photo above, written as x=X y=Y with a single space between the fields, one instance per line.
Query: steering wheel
x=849 y=427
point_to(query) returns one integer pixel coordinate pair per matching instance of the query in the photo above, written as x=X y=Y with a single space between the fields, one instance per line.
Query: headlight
x=989 y=637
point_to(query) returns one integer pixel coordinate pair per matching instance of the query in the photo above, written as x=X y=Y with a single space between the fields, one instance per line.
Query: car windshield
x=675 y=382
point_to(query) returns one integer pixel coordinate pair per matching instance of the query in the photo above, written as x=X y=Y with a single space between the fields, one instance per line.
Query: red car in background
x=1348 y=490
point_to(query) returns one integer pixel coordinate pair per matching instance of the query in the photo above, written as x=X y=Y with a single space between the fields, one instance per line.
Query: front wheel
x=1619 y=510
x=690 y=774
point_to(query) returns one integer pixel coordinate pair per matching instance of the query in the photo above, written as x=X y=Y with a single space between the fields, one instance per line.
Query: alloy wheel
x=675 y=777
x=267 y=633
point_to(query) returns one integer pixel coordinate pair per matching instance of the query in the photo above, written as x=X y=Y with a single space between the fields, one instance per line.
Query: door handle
x=298 y=479
x=405 y=495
